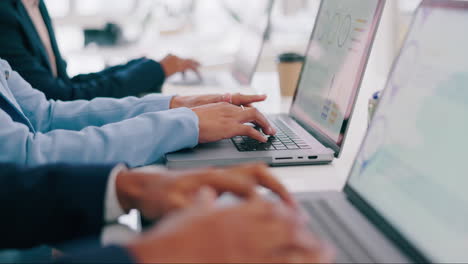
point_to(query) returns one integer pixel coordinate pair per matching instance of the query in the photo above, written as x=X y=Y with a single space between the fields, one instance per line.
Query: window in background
x=408 y=6
x=58 y=8
x=292 y=24
x=190 y=28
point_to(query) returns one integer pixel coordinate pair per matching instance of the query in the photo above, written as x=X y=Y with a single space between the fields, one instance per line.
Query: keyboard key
x=284 y=139
x=238 y=140
x=293 y=147
x=278 y=146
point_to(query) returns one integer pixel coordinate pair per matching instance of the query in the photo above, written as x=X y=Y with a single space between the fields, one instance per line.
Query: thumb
x=205 y=197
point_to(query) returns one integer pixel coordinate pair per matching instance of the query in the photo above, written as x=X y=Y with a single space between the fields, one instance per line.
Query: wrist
x=128 y=189
x=175 y=102
x=161 y=247
x=165 y=68
x=133 y=190
x=142 y=251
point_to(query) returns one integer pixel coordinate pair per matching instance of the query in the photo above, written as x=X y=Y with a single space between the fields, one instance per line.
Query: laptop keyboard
x=285 y=139
x=330 y=226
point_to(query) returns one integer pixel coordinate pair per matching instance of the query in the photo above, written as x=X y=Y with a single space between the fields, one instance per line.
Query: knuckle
x=252 y=132
x=259 y=167
x=245 y=129
x=268 y=207
x=210 y=174
x=252 y=110
x=209 y=171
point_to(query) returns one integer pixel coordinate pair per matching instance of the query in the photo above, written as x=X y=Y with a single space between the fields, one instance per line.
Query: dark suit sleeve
x=132 y=79
x=51 y=205
x=106 y=255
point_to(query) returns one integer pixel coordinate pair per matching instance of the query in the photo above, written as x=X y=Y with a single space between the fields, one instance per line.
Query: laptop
x=406 y=199
x=315 y=129
x=253 y=36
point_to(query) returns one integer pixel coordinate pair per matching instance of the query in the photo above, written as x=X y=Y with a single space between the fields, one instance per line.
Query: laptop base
x=337 y=222
x=225 y=152
x=212 y=79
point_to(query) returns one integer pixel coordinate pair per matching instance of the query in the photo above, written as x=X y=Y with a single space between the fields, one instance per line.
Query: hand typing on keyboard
x=224 y=121
x=285 y=139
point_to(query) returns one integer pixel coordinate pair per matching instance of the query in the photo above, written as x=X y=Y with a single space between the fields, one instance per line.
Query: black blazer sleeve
x=21 y=47
x=50 y=205
x=135 y=78
x=97 y=255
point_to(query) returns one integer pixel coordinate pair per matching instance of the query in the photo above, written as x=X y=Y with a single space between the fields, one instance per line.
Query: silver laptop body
x=406 y=199
x=315 y=129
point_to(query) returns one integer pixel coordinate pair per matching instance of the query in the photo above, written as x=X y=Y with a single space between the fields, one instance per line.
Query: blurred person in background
x=28 y=43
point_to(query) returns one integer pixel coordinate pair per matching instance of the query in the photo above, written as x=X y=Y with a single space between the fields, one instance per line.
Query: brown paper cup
x=289 y=70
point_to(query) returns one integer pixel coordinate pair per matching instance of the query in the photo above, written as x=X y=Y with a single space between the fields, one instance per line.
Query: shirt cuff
x=112 y=208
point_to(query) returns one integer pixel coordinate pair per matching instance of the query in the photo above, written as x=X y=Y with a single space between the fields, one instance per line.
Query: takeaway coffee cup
x=289 y=70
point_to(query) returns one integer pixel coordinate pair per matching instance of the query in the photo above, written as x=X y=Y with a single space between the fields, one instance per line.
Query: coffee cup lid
x=290 y=57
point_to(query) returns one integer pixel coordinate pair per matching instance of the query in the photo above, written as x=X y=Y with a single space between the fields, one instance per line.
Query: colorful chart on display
x=334 y=65
x=412 y=166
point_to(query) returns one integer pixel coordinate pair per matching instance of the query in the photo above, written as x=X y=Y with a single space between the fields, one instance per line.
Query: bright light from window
x=58 y=8
x=408 y=6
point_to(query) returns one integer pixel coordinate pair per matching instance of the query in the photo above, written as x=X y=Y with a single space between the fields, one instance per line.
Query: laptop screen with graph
x=412 y=166
x=335 y=63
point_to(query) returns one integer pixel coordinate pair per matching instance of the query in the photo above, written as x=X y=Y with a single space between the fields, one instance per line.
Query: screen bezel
x=389 y=230
x=320 y=136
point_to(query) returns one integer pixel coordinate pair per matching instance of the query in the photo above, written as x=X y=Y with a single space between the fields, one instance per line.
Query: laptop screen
x=252 y=41
x=412 y=166
x=335 y=63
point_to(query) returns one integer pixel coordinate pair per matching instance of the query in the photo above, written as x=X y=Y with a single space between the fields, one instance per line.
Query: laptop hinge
x=317 y=135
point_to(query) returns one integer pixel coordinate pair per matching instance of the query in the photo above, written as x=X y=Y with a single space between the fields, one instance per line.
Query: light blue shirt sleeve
x=138 y=141
x=47 y=115
x=133 y=131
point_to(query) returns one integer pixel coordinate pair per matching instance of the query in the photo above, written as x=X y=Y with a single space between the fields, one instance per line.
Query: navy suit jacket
x=22 y=47
x=53 y=205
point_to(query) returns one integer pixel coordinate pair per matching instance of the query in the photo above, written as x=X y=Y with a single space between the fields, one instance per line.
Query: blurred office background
x=94 y=34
